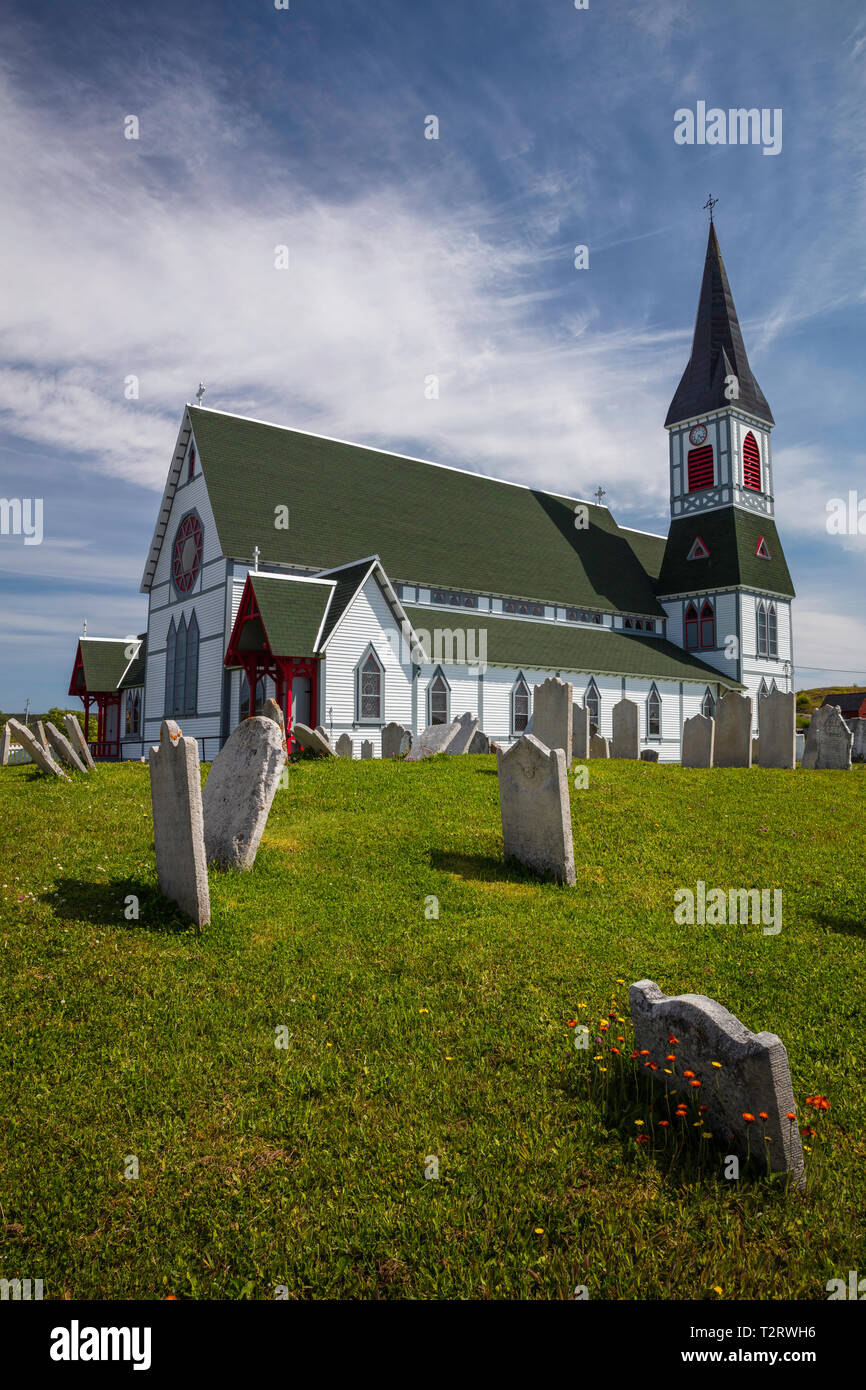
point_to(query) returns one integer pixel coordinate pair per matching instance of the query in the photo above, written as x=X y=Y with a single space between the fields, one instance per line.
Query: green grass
x=411 y=1037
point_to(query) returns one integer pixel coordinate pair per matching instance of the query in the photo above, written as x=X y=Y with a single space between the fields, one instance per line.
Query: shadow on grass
x=106 y=904
x=483 y=868
x=846 y=926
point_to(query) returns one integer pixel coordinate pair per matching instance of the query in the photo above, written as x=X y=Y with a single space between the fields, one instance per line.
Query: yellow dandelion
x=620 y=982
x=539 y=1230
x=638 y=1122
x=423 y=1011
x=716 y=1064
x=717 y=1288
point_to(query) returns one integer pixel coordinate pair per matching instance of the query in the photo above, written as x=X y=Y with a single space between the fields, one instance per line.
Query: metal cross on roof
x=200 y=392
x=599 y=493
x=711 y=203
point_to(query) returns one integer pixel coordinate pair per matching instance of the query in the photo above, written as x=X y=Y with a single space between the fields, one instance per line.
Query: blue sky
x=410 y=257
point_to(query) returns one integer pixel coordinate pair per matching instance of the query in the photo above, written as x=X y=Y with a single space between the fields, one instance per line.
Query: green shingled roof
x=430 y=525
x=292 y=611
x=104 y=661
x=731 y=536
x=555 y=647
x=137 y=667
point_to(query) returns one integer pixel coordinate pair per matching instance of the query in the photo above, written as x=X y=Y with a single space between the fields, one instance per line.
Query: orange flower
x=616 y=1050
x=762 y=1115
x=688 y=1073
x=572 y=1023
x=644 y=1052
x=620 y=1039
x=671 y=1057
x=694 y=1083
x=748 y=1117
x=807 y=1132
x=818 y=1102
x=672 y=1039
x=702 y=1108
x=789 y=1115
x=643 y=1139
x=663 y=1124
x=634 y=1054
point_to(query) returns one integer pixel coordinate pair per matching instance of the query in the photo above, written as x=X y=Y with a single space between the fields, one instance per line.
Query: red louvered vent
x=700 y=468
x=751 y=463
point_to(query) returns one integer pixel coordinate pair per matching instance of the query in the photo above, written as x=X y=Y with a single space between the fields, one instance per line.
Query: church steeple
x=718 y=353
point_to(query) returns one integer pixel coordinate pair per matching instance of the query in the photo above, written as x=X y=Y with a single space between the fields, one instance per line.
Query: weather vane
x=711 y=203
x=200 y=392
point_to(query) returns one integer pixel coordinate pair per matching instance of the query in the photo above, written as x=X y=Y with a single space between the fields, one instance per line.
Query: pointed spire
x=717 y=352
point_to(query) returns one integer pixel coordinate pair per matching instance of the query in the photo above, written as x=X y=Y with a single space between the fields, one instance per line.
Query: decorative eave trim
x=159 y=531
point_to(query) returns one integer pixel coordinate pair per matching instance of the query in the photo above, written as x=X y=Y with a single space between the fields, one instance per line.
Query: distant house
x=852 y=703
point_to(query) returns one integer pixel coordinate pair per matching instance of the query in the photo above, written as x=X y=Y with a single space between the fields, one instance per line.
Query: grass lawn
x=412 y=1036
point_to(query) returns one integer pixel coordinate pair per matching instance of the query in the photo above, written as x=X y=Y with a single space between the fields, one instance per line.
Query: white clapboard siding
x=189 y=497
x=368 y=620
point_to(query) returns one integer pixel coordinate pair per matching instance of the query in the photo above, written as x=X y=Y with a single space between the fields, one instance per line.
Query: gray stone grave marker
x=312 y=739
x=698 y=741
x=60 y=745
x=858 y=748
x=733 y=743
x=396 y=740
x=777 y=722
x=533 y=799
x=467 y=728
x=178 y=822
x=436 y=738
x=552 y=714
x=5 y=745
x=580 y=731
x=829 y=740
x=344 y=747
x=626 y=730
x=649 y=755
x=239 y=791
x=598 y=746
x=31 y=745
x=481 y=743
x=366 y=748
x=75 y=734
x=271 y=710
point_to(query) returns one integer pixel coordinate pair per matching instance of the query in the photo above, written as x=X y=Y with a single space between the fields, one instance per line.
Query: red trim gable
x=77 y=683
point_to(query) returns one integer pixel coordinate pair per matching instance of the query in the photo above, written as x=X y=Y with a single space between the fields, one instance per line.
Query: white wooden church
x=359 y=586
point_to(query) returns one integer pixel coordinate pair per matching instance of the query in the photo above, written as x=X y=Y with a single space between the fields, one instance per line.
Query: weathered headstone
x=533 y=799
x=271 y=710
x=753 y=1078
x=60 y=745
x=626 y=725
x=5 y=745
x=366 y=748
x=649 y=755
x=239 y=791
x=801 y=745
x=345 y=747
x=178 y=822
x=829 y=740
x=777 y=724
x=698 y=741
x=481 y=743
x=75 y=734
x=312 y=739
x=396 y=740
x=858 y=748
x=467 y=728
x=552 y=715
x=579 y=730
x=755 y=743
x=598 y=746
x=323 y=733
x=436 y=738
x=40 y=730
x=733 y=744
x=31 y=745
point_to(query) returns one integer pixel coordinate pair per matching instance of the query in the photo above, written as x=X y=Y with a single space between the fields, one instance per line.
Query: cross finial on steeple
x=200 y=392
x=711 y=203
x=84 y=629
x=256 y=554
x=599 y=493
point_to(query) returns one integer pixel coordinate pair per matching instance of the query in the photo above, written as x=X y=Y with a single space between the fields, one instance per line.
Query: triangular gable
x=761 y=550
x=165 y=506
x=280 y=615
x=698 y=550
x=350 y=581
x=101 y=663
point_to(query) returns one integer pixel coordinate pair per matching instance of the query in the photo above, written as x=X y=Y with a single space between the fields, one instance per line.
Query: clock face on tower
x=186 y=553
x=697 y=434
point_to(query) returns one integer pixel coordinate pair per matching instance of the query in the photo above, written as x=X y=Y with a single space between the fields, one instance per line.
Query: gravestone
x=467 y=728
x=323 y=733
x=649 y=755
x=579 y=731
x=60 y=745
x=75 y=734
x=40 y=731
x=626 y=724
x=366 y=748
x=777 y=722
x=396 y=741
x=481 y=743
x=733 y=743
x=533 y=800
x=801 y=745
x=436 y=738
x=5 y=745
x=598 y=746
x=552 y=715
x=239 y=791
x=754 y=752
x=178 y=822
x=31 y=745
x=829 y=740
x=271 y=710
x=698 y=741
x=344 y=747
x=858 y=748
x=312 y=739
x=753 y=1078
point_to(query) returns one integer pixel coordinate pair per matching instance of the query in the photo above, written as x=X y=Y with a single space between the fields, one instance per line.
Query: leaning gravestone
x=733 y=743
x=239 y=791
x=75 y=734
x=344 y=747
x=40 y=730
x=271 y=710
x=396 y=741
x=366 y=748
x=698 y=740
x=777 y=722
x=626 y=736
x=5 y=745
x=467 y=728
x=178 y=822
x=649 y=755
x=552 y=715
x=579 y=730
x=858 y=748
x=598 y=746
x=312 y=739
x=533 y=799
x=753 y=1079
x=66 y=753
x=436 y=738
x=31 y=745
x=829 y=740
x=481 y=743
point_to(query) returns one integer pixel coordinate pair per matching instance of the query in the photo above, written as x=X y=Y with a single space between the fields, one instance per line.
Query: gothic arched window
x=593 y=703
x=708 y=705
x=438 y=695
x=654 y=713
x=370 y=678
x=772 y=631
x=691 y=627
x=181 y=668
x=708 y=624
x=751 y=463
x=520 y=700
x=763 y=649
